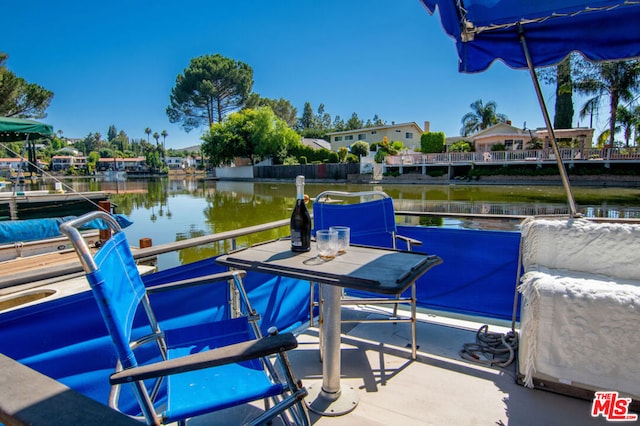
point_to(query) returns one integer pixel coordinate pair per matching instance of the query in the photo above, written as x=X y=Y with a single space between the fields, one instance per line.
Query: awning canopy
x=14 y=129
x=486 y=30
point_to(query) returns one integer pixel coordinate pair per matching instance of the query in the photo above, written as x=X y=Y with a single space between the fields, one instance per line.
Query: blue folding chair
x=370 y=215
x=190 y=369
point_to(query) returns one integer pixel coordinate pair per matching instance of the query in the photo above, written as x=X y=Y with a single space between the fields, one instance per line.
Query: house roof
x=497 y=130
x=316 y=143
x=389 y=126
x=121 y=159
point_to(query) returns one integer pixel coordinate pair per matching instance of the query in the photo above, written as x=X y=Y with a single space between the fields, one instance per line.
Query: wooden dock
x=17 y=274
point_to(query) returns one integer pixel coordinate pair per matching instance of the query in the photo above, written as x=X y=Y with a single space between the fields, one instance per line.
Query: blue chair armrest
x=192 y=282
x=410 y=241
x=230 y=354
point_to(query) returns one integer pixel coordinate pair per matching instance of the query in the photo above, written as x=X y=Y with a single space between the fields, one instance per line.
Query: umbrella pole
x=547 y=120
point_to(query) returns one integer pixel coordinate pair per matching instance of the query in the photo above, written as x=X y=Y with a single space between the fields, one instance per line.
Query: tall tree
x=112 y=132
x=618 y=81
x=338 y=124
x=209 y=88
x=148 y=132
x=481 y=116
x=590 y=109
x=21 y=99
x=563 y=118
x=282 y=108
x=323 y=119
x=306 y=121
x=354 y=122
x=252 y=133
x=636 y=112
x=164 y=135
x=627 y=121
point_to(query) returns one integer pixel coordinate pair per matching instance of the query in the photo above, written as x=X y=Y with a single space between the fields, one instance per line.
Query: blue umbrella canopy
x=489 y=30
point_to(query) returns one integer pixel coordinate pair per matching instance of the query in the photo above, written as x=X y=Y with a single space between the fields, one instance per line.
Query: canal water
x=172 y=209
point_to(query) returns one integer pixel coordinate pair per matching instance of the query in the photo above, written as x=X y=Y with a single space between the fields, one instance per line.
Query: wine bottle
x=300 y=220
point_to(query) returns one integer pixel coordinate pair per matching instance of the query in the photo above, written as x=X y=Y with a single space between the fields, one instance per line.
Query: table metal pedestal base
x=329 y=398
x=328 y=404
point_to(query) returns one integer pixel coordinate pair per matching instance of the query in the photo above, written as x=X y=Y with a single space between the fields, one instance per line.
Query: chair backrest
x=371 y=222
x=118 y=290
x=114 y=279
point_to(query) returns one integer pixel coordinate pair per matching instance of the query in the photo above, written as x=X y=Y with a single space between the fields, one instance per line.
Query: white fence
x=519 y=156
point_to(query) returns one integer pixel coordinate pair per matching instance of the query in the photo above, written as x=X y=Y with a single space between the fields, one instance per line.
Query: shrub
x=379 y=157
x=290 y=161
x=342 y=153
x=432 y=142
x=351 y=158
x=302 y=159
x=460 y=146
x=333 y=157
x=360 y=148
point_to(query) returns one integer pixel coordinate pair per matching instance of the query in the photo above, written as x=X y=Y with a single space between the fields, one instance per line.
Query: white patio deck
x=439 y=388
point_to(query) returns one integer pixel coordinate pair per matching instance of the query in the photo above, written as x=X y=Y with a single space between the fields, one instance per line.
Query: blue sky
x=115 y=62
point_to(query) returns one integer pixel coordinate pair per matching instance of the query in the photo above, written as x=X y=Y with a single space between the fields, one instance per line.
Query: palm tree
x=617 y=80
x=636 y=112
x=591 y=107
x=156 y=136
x=164 y=137
x=481 y=117
x=627 y=121
x=148 y=132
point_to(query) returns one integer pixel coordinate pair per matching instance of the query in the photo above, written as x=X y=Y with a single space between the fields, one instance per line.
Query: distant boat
x=18 y=204
x=114 y=174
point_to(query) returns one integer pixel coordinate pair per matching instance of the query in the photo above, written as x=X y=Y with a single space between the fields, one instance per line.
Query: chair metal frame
x=290 y=401
x=325 y=197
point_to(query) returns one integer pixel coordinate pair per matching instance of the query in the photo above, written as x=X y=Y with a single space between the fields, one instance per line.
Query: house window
x=508 y=144
x=362 y=137
x=338 y=138
x=408 y=135
x=348 y=138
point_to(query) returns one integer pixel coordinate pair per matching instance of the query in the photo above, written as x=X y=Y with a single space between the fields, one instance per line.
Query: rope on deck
x=491 y=348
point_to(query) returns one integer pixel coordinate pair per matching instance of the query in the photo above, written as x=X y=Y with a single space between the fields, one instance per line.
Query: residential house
x=135 y=164
x=174 y=163
x=407 y=133
x=581 y=137
x=511 y=137
x=8 y=164
x=61 y=163
x=514 y=138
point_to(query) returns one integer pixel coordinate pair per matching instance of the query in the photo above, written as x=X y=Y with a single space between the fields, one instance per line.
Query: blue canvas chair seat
x=372 y=222
x=196 y=366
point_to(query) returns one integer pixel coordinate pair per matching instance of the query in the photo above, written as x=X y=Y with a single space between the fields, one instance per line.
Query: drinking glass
x=343 y=237
x=327 y=242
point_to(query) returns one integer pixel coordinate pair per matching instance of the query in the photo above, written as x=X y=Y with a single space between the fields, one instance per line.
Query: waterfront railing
x=568 y=155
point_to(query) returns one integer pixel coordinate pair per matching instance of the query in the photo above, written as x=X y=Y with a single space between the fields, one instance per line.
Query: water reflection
x=168 y=210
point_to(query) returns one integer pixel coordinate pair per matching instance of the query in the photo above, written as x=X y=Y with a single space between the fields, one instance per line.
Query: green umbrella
x=13 y=129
